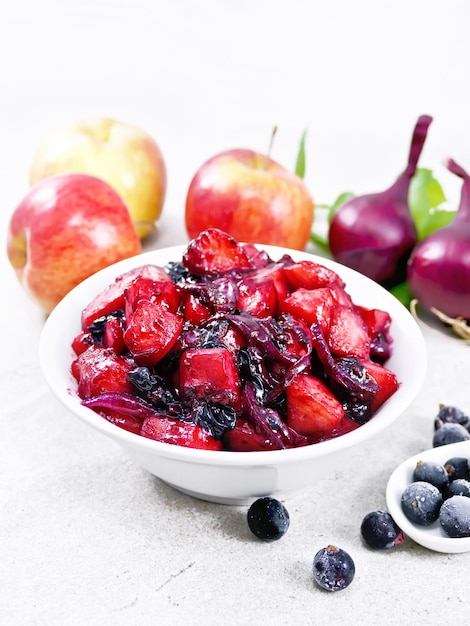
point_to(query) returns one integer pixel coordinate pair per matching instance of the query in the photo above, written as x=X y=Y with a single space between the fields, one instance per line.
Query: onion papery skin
x=381 y=254
x=439 y=268
x=439 y=271
x=375 y=233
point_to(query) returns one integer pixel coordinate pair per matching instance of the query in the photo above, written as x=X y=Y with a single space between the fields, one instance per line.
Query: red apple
x=66 y=228
x=125 y=156
x=251 y=197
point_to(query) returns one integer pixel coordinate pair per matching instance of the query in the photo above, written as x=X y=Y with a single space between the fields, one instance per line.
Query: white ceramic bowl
x=222 y=476
x=432 y=536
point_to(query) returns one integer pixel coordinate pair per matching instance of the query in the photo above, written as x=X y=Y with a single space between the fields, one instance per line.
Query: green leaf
x=424 y=196
x=402 y=292
x=318 y=236
x=341 y=199
x=436 y=219
x=300 y=162
x=319 y=241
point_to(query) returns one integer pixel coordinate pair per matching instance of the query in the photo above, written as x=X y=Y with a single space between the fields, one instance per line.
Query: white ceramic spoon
x=432 y=536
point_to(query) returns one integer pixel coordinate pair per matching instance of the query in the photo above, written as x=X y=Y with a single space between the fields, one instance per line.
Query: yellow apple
x=124 y=156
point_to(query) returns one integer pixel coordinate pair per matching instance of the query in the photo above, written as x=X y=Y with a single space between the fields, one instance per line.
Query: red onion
x=375 y=233
x=439 y=267
x=122 y=403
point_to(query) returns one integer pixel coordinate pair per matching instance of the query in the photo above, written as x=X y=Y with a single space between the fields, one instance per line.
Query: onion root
x=458 y=325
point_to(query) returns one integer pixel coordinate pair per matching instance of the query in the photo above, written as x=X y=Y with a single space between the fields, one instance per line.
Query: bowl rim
x=52 y=372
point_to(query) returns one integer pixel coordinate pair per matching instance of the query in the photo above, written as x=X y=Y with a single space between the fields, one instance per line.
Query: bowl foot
x=215 y=499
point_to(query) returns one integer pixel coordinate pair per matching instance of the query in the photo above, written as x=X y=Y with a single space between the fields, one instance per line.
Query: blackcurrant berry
x=268 y=519
x=421 y=502
x=379 y=531
x=450 y=414
x=454 y=516
x=458 y=487
x=431 y=472
x=333 y=568
x=449 y=433
x=457 y=467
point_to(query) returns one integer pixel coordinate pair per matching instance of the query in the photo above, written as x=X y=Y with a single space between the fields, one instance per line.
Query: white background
x=203 y=76
x=86 y=537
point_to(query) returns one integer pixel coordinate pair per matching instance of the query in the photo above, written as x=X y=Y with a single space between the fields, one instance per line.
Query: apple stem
x=271 y=143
